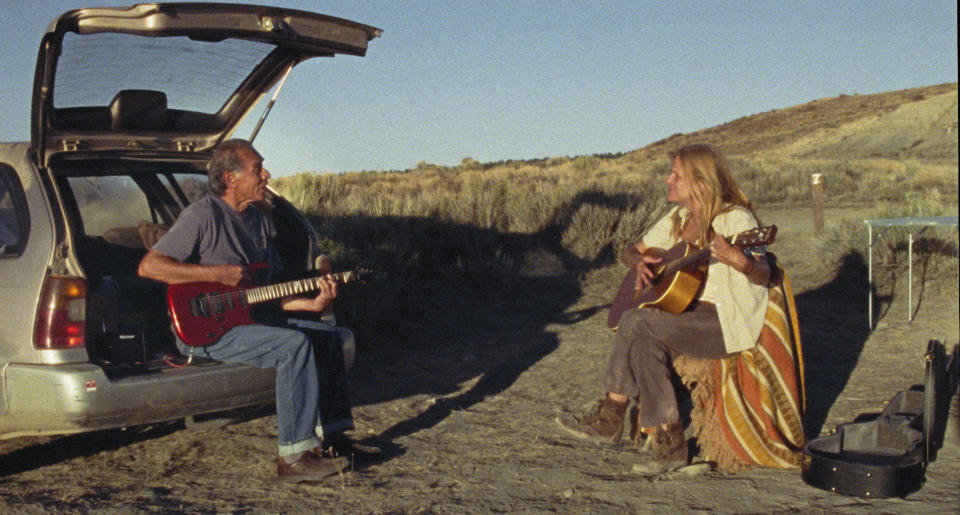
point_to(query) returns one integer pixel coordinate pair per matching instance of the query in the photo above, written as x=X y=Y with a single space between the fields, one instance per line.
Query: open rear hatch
x=169 y=78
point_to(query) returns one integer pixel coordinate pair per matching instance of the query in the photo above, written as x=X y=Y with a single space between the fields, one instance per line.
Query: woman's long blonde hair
x=707 y=173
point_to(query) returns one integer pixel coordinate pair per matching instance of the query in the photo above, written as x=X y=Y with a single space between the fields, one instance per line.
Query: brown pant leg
x=646 y=342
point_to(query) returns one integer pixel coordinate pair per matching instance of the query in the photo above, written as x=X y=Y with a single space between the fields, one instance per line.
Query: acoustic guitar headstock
x=755 y=237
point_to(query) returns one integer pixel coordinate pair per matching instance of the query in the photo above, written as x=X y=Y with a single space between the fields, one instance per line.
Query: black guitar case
x=886 y=454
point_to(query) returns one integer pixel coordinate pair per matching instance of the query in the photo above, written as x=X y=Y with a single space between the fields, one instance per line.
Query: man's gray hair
x=226 y=158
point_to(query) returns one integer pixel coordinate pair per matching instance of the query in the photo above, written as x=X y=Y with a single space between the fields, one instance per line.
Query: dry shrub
x=935 y=252
x=935 y=177
x=583 y=208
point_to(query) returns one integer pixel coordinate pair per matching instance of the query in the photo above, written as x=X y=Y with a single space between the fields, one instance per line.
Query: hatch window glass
x=14 y=220
x=111 y=202
x=196 y=76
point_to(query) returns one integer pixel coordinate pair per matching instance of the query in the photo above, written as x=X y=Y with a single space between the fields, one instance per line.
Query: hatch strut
x=270 y=104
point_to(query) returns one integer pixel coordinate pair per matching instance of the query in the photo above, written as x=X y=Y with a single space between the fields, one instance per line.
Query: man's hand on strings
x=328 y=287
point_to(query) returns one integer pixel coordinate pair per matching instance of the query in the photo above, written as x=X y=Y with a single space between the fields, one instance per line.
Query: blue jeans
x=311 y=392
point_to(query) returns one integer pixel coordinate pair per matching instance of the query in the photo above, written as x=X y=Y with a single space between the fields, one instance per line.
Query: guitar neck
x=289 y=288
x=684 y=262
x=736 y=241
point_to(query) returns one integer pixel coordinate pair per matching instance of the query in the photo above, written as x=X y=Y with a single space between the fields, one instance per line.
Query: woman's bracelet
x=750 y=266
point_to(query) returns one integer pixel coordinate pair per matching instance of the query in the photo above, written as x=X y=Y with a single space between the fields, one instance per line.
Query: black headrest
x=138 y=109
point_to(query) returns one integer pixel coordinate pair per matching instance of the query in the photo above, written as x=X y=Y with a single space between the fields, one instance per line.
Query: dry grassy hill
x=868 y=147
x=918 y=123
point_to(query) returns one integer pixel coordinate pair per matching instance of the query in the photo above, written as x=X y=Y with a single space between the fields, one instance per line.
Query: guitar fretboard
x=281 y=290
x=686 y=261
x=746 y=239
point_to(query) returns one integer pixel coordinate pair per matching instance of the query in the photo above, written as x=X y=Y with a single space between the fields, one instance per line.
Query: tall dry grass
x=577 y=205
x=473 y=234
x=934 y=251
x=584 y=209
x=497 y=231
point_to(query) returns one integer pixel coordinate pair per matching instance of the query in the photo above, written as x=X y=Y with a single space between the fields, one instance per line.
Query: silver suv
x=127 y=107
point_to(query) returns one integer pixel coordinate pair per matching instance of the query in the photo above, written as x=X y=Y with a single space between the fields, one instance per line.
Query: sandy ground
x=467 y=420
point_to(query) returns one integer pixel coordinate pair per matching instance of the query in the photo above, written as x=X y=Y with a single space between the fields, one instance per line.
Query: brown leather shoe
x=667 y=448
x=310 y=467
x=603 y=425
x=339 y=444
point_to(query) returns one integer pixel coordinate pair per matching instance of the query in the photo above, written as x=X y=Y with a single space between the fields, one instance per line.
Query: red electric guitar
x=202 y=312
x=678 y=277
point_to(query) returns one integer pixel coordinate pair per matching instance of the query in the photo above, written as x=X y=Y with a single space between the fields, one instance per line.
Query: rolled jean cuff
x=334 y=427
x=301 y=446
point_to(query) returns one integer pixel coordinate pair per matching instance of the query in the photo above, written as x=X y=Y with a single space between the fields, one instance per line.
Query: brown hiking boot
x=604 y=425
x=667 y=449
x=310 y=466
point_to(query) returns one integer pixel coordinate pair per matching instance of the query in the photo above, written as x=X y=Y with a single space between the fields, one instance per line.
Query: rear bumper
x=56 y=399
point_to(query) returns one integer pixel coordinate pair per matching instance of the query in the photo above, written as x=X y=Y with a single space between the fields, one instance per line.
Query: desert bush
x=469 y=163
x=484 y=203
x=935 y=251
x=309 y=190
x=435 y=219
x=586 y=164
x=531 y=208
x=634 y=222
x=770 y=181
x=940 y=178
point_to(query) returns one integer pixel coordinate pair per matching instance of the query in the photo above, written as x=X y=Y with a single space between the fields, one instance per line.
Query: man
x=212 y=241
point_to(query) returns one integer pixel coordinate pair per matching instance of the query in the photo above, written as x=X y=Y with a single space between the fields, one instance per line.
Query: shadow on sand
x=497 y=343
x=833 y=327
x=476 y=333
x=462 y=304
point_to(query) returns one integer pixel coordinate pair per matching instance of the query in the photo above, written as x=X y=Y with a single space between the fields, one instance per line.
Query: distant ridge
x=917 y=123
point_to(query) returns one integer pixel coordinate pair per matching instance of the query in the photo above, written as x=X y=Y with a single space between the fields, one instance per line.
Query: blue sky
x=514 y=79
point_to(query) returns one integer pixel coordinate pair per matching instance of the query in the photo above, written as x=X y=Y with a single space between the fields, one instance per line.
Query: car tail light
x=61 y=316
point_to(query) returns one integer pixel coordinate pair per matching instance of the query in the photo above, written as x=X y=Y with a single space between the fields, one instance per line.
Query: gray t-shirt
x=209 y=232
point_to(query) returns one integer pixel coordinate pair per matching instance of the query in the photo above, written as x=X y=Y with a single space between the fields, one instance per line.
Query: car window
x=193 y=185
x=94 y=67
x=109 y=202
x=14 y=215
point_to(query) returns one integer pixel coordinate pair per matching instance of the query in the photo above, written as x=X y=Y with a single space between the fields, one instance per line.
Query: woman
x=725 y=318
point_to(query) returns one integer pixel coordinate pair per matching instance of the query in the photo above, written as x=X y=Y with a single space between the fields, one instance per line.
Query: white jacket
x=741 y=304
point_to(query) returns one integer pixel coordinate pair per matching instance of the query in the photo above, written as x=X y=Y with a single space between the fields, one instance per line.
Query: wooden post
x=816 y=182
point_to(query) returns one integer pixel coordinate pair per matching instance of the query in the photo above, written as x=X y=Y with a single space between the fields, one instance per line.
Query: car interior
x=118 y=209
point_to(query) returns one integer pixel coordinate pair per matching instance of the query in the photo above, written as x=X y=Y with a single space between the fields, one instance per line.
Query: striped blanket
x=760 y=401
x=755 y=416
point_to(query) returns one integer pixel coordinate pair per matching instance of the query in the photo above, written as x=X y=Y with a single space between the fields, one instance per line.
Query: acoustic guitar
x=202 y=312
x=678 y=277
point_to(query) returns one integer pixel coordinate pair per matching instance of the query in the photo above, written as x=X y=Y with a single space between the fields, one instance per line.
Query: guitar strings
x=273 y=290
